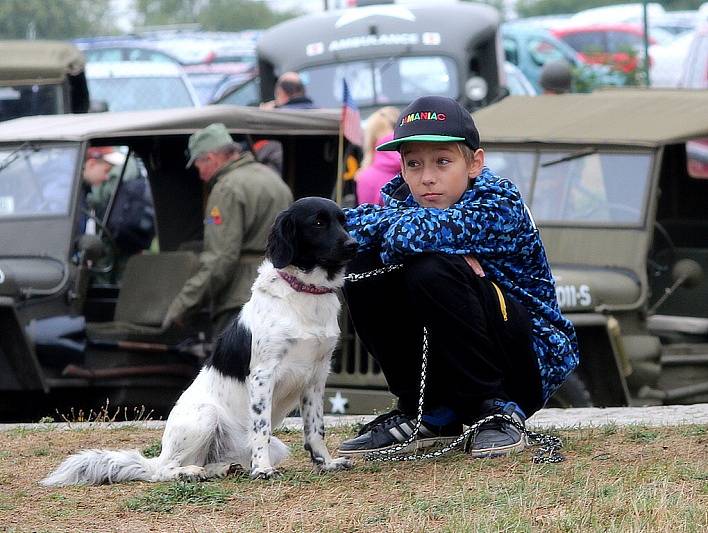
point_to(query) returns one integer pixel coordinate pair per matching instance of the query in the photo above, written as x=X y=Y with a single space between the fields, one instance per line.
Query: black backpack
x=132 y=222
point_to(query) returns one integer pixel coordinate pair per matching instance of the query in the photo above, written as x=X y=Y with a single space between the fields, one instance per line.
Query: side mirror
x=687 y=273
x=90 y=247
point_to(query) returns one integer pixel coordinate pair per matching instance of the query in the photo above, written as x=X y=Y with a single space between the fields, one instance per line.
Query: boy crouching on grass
x=497 y=340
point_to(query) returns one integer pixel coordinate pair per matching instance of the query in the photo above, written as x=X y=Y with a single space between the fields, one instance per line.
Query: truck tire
x=573 y=393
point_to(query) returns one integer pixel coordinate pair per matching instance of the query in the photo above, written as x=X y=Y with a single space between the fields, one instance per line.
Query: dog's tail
x=95 y=467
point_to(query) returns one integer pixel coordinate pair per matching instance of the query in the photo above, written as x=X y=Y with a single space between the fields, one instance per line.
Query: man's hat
x=433 y=119
x=108 y=154
x=211 y=138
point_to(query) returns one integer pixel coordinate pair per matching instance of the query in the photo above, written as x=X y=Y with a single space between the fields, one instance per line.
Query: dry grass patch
x=614 y=479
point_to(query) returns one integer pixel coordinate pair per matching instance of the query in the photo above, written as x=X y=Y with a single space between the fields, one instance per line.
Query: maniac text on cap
x=433 y=119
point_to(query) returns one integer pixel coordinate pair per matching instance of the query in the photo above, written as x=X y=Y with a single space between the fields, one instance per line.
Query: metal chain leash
x=548 y=445
x=372 y=273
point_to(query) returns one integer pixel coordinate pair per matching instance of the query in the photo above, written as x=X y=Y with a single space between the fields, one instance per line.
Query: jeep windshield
x=583 y=187
x=24 y=100
x=382 y=81
x=36 y=181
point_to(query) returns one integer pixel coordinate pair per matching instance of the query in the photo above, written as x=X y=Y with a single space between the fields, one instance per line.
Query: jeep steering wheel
x=655 y=267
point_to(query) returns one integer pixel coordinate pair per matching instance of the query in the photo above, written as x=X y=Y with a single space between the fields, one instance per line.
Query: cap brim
x=395 y=143
x=116 y=159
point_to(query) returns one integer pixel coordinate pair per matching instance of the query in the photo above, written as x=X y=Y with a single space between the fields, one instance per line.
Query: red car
x=618 y=44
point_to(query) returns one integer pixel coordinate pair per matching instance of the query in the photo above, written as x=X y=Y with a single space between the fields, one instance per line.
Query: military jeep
x=41 y=78
x=617 y=182
x=71 y=339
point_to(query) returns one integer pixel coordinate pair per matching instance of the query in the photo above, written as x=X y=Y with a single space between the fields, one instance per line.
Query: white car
x=138 y=85
x=516 y=82
x=667 y=61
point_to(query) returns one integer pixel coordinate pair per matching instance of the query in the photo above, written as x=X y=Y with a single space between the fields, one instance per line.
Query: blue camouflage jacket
x=492 y=223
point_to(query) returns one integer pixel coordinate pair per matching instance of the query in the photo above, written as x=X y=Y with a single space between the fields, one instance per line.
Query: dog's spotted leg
x=312 y=412
x=260 y=386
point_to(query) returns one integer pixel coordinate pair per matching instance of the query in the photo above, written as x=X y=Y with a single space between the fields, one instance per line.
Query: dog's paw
x=221 y=470
x=340 y=463
x=235 y=469
x=264 y=473
x=192 y=474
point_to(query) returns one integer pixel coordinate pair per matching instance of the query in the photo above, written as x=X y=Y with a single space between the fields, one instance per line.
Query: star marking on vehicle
x=339 y=403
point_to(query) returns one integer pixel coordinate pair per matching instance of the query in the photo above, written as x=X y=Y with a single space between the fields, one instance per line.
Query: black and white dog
x=276 y=354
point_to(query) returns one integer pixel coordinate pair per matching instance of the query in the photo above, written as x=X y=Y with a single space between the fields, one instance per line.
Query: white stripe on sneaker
x=406 y=427
x=397 y=434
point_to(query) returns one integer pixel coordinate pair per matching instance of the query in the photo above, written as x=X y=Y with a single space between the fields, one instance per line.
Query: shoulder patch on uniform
x=214 y=216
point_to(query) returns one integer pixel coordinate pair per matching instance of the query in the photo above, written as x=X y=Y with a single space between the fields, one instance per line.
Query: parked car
x=41 y=78
x=530 y=47
x=115 y=51
x=695 y=76
x=247 y=93
x=617 y=44
x=667 y=61
x=516 y=82
x=211 y=79
x=136 y=85
x=622 y=215
x=695 y=67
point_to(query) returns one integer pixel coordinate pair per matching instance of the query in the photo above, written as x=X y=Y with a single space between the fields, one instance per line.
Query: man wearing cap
x=497 y=343
x=556 y=77
x=100 y=160
x=245 y=197
x=132 y=224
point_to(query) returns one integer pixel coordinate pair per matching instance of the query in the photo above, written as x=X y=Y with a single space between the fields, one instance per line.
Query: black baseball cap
x=433 y=119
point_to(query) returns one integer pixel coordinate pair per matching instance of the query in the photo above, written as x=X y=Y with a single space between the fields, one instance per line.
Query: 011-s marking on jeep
x=570 y=296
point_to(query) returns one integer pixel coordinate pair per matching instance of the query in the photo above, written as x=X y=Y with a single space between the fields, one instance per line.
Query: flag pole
x=340 y=166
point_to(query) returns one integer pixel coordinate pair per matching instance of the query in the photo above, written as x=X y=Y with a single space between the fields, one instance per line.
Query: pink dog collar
x=300 y=286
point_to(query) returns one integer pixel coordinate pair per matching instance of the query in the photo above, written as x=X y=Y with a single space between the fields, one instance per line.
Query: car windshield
x=36 y=181
x=135 y=94
x=25 y=100
x=382 y=81
x=588 y=187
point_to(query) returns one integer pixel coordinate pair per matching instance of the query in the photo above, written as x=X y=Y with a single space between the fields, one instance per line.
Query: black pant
x=474 y=353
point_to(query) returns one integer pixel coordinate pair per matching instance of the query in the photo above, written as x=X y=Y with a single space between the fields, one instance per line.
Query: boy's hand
x=474 y=265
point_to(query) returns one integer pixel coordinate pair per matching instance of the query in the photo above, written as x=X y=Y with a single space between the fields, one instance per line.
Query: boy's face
x=437 y=173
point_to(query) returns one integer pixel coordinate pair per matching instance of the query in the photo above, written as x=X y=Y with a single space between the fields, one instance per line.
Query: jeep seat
x=150 y=282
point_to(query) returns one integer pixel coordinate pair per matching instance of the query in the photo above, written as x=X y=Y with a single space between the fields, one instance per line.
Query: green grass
x=152 y=450
x=164 y=498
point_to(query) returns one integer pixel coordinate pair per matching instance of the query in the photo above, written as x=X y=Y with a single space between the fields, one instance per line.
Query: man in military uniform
x=244 y=200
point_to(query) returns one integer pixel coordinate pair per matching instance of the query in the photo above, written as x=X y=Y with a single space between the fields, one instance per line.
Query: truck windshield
x=36 y=181
x=592 y=188
x=26 y=100
x=383 y=81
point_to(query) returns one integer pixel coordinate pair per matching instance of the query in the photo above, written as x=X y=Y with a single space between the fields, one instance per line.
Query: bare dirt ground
x=613 y=479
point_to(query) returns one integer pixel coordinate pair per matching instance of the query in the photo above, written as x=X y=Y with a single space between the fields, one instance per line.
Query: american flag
x=351 y=120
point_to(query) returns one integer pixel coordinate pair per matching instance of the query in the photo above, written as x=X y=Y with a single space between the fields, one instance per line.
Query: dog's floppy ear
x=281 y=245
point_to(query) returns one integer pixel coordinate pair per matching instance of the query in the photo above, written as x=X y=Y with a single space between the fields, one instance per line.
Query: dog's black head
x=311 y=233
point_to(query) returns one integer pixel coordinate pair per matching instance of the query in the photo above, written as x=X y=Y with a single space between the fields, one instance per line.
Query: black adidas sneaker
x=394 y=428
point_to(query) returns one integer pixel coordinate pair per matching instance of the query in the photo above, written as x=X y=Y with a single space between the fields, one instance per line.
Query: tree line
x=68 y=19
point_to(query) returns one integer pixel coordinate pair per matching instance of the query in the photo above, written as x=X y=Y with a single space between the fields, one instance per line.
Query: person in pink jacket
x=383 y=168
x=372 y=176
